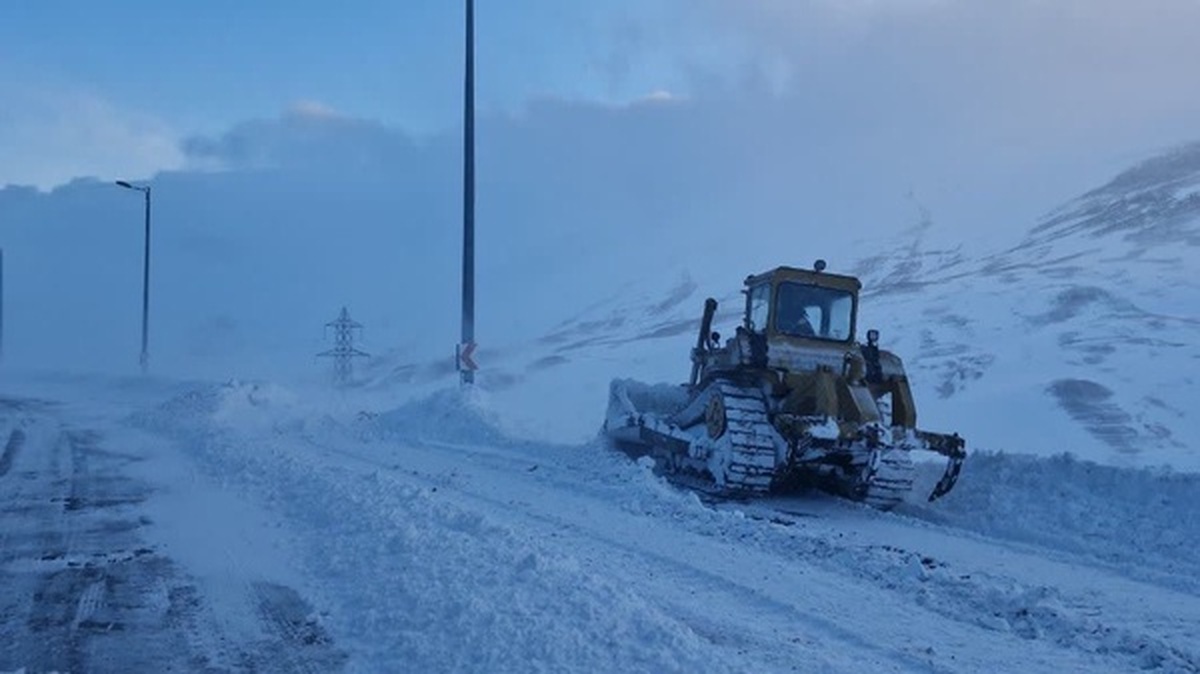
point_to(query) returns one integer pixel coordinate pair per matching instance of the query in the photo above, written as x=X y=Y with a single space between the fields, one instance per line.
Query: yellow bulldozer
x=791 y=398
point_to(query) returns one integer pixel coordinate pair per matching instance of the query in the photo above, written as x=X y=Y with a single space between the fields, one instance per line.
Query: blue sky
x=116 y=88
x=211 y=64
x=141 y=75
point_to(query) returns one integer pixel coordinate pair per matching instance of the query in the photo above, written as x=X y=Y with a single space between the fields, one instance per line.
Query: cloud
x=52 y=136
x=312 y=108
x=1016 y=72
x=307 y=134
x=313 y=209
x=660 y=96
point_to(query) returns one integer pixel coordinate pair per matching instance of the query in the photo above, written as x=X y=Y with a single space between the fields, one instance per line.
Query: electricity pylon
x=343 y=352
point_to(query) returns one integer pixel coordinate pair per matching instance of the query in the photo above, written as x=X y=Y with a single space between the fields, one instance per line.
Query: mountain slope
x=1083 y=336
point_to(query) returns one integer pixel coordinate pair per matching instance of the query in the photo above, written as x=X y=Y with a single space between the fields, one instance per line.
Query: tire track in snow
x=79 y=591
x=16 y=440
x=1049 y=600
x=297 y=642
x=751 y=600
x=500 y=601
x=822 y=597
x=995 y=604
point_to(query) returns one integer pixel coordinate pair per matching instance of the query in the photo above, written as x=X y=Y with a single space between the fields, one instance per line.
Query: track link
x=746 y=449
x=891 y=481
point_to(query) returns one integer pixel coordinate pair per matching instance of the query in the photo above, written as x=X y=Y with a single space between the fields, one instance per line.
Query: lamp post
x=144 y=359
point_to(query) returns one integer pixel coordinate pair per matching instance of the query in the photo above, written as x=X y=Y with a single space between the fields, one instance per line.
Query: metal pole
x=145 y=357
x=468 y=275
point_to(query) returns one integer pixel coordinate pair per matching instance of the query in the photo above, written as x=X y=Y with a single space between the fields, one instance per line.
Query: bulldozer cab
x=799 y=303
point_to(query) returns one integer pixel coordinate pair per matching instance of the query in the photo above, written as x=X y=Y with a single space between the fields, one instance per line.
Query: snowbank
x=1141 y=520
x=449 y=415
x=412 y=580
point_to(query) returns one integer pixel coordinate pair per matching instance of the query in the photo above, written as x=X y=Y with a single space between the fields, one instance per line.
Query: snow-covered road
x=248 y=527
x=87 y=585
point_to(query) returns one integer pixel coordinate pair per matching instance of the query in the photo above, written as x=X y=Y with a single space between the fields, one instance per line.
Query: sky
x=82 y=79
x=116 y=88
x=615 y=137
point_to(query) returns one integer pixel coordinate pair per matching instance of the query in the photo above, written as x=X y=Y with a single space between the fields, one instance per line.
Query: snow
x=438 y=576
x=425 y=536
x=1004 y=605
x=270 y=524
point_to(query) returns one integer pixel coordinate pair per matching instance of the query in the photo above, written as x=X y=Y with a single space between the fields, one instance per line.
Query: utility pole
x=466 y=366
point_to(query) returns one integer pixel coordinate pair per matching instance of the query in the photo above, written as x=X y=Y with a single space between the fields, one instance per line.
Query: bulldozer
x=791 y=399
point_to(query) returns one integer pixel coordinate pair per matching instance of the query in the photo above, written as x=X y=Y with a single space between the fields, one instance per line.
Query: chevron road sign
x=466 y=357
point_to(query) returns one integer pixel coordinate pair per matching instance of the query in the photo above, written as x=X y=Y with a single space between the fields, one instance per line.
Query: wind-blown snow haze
x=1016 y=185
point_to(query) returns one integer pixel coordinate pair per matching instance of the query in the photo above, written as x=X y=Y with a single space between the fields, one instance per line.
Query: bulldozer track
x=892 y=480
x=749 y=439
x=749 y=443
x=723 y=440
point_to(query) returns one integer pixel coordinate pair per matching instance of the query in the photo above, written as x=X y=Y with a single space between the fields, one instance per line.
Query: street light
x=144 y=359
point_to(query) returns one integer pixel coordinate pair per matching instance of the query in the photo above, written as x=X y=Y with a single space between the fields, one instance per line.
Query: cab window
x=803 y=310
x=758 y=307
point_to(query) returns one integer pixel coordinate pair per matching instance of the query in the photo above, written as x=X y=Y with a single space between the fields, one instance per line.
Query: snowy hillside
x=1081 y=337
x=1086 y=334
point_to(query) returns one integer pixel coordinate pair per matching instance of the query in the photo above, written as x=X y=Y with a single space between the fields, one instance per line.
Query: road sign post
x=467 y=375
